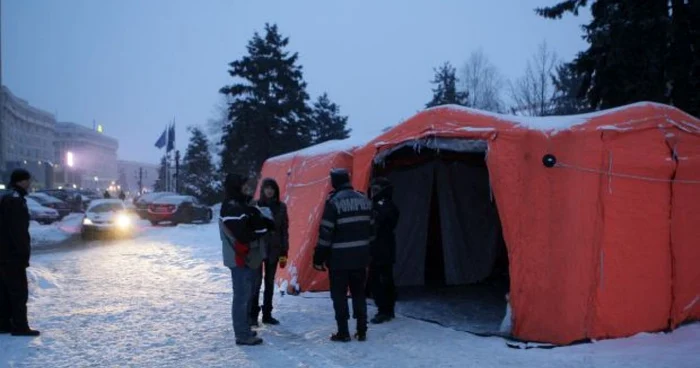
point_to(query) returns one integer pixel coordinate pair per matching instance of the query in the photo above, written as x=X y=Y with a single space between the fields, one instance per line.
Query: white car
x=41 y=214
x=107 y=217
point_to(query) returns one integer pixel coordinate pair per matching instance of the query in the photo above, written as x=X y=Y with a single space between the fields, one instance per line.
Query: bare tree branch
x=534 y=93
x=483 y=83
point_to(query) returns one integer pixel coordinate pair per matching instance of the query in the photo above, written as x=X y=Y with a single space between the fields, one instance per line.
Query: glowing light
x=69 y=159
x=75 y=186
x=87 y=221
x=123 y=221
x=99 y=128
x=97 y=179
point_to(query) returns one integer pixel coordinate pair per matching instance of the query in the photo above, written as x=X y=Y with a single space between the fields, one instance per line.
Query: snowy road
x=163 y=300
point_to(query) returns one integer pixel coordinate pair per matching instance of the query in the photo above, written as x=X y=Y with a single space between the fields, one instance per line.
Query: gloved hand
x=283 y=261
x=241 y=251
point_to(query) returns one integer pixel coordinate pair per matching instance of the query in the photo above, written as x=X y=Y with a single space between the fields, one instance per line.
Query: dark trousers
x=341 y=281
x=265 y=272
x=14 y=294
x=381 y=280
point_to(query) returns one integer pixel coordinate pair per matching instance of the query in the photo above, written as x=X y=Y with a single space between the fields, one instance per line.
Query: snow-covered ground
x=163 y=300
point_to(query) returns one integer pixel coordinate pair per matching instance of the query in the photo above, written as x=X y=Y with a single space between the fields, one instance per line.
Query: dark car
x=63 y=208
x=71 y=197
x=178 y=209
x=141 y=203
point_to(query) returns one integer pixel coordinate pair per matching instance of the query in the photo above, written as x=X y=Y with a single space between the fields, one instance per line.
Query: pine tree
x=445 y=91
x=160 y=184
x=640 y=50
x=198 y=171
x=327 y=122
x=567 y=99
x=267 y=113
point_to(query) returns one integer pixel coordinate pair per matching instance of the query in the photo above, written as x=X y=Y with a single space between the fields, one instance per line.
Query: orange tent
x=599 y=212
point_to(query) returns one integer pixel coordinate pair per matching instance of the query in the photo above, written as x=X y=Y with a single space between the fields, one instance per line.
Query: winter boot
x=341 y=337
x=269 y=320
x=250 y=341
x=380 y=318
x=26 y=332
x=361 y=336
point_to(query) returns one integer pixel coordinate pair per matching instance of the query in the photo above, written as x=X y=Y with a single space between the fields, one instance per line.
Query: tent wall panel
x=685 y=231
x=549 y=218
x=634 y=279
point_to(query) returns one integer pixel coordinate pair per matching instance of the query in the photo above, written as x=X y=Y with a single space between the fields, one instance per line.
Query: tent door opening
x=451 y=260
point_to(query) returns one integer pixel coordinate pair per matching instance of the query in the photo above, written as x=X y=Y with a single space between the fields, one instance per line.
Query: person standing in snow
x=15 y=251
x=122 y=196
x=241 y=225
x=383 y=250
x=106 y=195
x=276 y=247
x=343 y=247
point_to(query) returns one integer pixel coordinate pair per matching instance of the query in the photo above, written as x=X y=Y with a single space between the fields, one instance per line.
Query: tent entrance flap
x=450 y=253
x=449 y=223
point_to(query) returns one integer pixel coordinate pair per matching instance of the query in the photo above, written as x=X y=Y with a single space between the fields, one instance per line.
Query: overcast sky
x=133 y=65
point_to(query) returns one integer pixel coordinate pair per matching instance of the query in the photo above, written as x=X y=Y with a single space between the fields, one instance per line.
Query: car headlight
x=87 y=221
x=123 y=221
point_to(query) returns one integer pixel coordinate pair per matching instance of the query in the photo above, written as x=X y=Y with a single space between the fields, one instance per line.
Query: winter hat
x=19 y=175
x=340 y=178
x=381 y=187
x=233 y=185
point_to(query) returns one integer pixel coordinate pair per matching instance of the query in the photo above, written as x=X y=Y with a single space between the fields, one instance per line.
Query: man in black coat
x=276 y=249
x=383 y=249
x=15 y=250
x=343 y=246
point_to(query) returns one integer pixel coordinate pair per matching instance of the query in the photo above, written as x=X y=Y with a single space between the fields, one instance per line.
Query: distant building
x=128 y=174
x=26 y=139
x=87 y=158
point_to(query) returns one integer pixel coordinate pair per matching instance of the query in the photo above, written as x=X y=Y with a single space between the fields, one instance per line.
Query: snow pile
x=43 y=235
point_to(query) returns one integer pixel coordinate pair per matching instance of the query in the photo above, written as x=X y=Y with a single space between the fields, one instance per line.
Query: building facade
x=131 y=172
x=26 y=139
x=87 y=158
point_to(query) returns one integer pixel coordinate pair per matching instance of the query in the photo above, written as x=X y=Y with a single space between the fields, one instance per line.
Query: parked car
x=69 y=196
x=141 y=203
x=41 y=214
x=178 y=209
x=52 y=202
x=106 y=217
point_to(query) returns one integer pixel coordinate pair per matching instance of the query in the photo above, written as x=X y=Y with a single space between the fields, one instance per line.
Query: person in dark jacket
x=383 y=249
x=241 y=225
x=122 y=195
x=276 y=244
x=15 y=251
x=343 y=247
x=106 y=195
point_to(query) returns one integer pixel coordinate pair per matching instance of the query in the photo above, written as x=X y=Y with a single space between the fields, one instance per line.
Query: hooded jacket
x=241 y=225
x=15 y=244
x=386 y=217
x=277 y=240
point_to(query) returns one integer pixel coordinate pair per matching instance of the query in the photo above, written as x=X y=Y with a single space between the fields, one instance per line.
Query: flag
x=161 y=142
x=171 y=138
